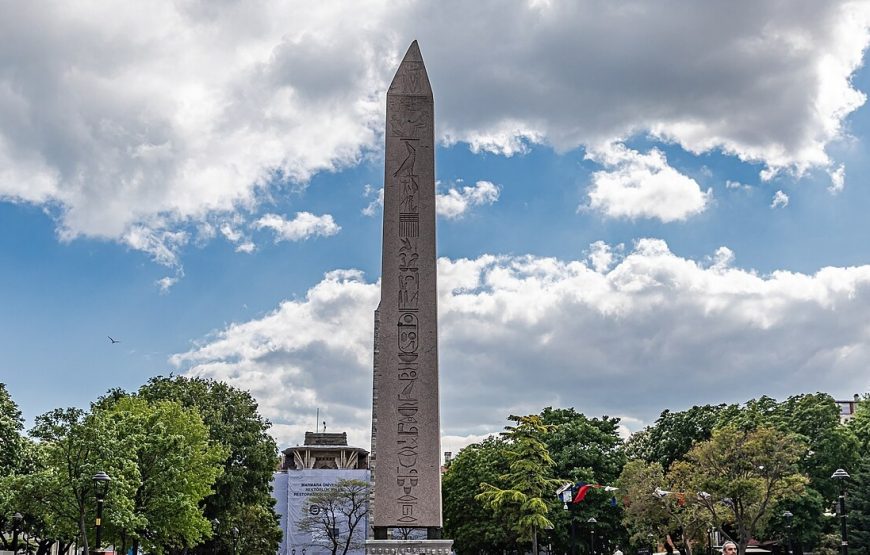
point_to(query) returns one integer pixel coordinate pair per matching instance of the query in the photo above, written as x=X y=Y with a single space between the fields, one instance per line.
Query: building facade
x=323 y=460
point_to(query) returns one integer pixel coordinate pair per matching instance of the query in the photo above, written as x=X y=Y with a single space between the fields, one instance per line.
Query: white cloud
x=165 y=114
x=654 y=331
x=163 y=246
x=247 y=247
x=456 y=202
x=164 y=284
x=376 y=203
x=838 y=179
x=636 y=185
x=303 y=226
x=780 y=200
x=232 y=235
x=601 y=256
x=737 y=185
x=306 y=353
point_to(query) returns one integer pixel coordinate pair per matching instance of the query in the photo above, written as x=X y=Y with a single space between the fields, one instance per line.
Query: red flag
x=581 y=493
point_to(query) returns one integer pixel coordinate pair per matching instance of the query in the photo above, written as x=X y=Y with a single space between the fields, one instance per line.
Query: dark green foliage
x=588 y=450
x=528 y=495
x=674 y=433
x=859 y=509
x=473 y=528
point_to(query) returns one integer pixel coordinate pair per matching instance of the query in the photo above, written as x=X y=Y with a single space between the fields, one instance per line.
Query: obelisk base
x=409 y=547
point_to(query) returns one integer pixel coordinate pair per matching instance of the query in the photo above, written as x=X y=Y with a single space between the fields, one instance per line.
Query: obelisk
x=406 y=439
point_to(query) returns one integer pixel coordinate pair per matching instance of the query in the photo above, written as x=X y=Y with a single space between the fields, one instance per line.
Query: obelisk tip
x=413 y=53
x=411 y=77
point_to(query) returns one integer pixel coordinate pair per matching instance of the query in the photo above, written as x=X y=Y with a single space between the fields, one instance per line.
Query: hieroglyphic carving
x=407 y=473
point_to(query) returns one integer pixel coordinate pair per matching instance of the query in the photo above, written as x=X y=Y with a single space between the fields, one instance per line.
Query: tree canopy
x=473 y=527
x=529 y=481
x=242 y=492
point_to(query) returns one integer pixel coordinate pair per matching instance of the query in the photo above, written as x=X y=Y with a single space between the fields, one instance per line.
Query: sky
x=640 y=206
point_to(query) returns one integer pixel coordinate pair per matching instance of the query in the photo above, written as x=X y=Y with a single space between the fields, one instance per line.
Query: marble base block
x=409 y=547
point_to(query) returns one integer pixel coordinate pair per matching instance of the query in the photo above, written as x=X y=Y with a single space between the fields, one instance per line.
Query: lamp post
x=842 y=475
x=787 y=515
x=567 y=495
x=101 y=488
x=215 y=526
x=17 y=519
x=235 y=534
x=591 y=520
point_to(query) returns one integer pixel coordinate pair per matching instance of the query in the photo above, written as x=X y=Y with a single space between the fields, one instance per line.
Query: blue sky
x=638 y=209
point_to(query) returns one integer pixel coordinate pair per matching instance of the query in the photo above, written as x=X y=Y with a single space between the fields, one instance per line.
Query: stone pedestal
x=409 y=547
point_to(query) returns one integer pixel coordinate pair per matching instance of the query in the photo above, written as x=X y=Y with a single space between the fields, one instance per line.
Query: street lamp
x=101 y=488
x=215 y=525
x=842 y=476
x=566 y=494
x=17 y=519
x=591 y=520
x=235 y=534
x=787 y=515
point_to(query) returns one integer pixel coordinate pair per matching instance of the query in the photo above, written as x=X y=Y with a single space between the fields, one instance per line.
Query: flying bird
x=113 y=340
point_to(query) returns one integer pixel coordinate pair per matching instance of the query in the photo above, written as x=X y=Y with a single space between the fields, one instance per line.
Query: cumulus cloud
x=306 y=353
x=601 y=256
x=653 y=330
x=456 y=202
x=303 y=226
x=163 y=115
x=636 y=185
x=780 y=200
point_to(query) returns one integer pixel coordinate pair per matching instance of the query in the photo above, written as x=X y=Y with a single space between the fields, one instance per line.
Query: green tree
x=175 y=467
x=674 y=433
x=530 y=480
x=11 y=426
x=74 y=446
x=473 y=527
x=859 y=509
x=243 y=491
x=588 y=450
x=814 y=419
x=743 y=474
x=644 y=513
x=12 y=446
x=663 y=503
x=860 y=424
x=340 y=512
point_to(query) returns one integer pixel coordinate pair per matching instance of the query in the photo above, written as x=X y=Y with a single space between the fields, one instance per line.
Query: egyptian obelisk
x=406 y=439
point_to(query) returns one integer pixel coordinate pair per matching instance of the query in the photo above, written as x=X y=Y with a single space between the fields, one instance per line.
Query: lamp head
x=591 y=520
x=840 y=474
x=787 y=515
x=101 y=485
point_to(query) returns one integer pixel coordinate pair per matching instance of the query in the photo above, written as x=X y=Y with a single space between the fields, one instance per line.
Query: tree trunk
x=84 y=534
x=534 y=540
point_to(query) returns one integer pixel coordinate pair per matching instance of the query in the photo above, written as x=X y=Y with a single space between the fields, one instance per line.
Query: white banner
x=291 y=490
